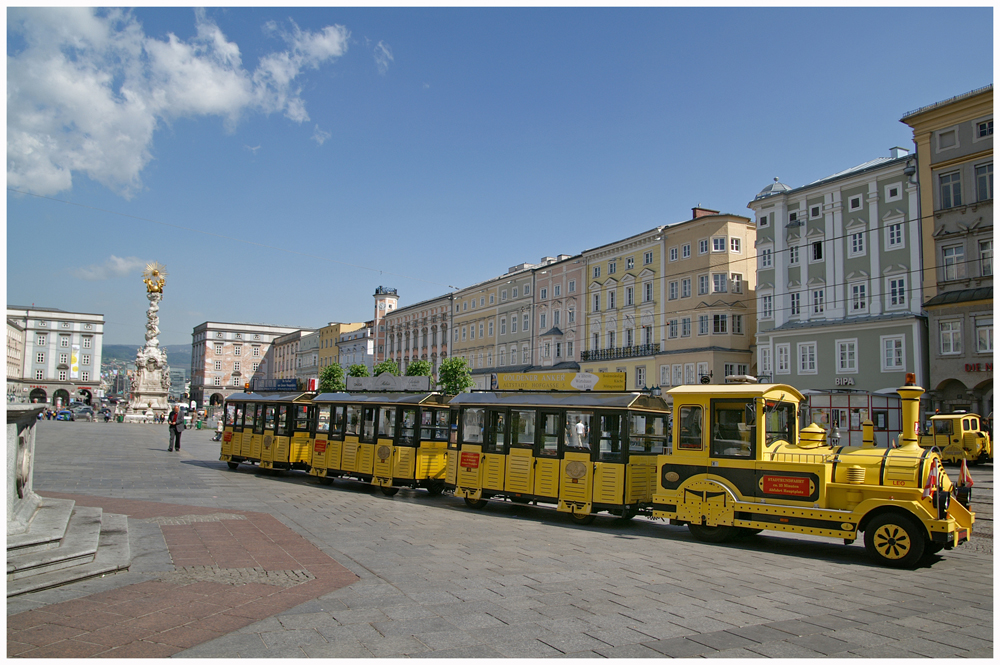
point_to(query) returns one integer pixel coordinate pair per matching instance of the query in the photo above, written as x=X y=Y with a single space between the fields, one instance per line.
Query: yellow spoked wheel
x=895 y=540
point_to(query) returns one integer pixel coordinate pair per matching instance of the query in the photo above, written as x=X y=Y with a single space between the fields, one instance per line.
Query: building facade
x=357 y=347
x=560 y=292
x=15 y=362
x=287 y=360
x=225 y=356
x=419 y=332
x=329 y=335
x=307 y=358
x=386 y=301
x=838 y=289
x=954 y=140
x=62 y=355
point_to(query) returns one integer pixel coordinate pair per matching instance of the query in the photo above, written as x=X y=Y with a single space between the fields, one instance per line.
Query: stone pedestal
x=21 y=498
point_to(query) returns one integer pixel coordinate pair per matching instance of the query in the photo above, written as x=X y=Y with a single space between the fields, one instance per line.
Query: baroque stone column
x=151 y=380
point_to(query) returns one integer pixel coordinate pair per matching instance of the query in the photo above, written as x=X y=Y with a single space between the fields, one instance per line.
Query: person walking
x=176 y=426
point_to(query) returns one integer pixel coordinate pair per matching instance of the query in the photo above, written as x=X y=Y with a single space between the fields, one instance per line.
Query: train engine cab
x=586 y=452
x=739 y=465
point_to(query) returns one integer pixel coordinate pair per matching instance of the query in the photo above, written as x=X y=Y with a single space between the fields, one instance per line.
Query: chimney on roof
x=698 y=211
x=898 y=152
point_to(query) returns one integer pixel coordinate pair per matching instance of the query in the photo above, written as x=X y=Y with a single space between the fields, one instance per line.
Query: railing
x=620 y=352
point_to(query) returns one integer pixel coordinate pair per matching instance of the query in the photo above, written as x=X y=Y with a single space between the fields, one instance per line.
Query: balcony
x=620 y=352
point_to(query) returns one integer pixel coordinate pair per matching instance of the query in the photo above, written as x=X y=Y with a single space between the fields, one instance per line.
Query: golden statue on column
x=151 y=381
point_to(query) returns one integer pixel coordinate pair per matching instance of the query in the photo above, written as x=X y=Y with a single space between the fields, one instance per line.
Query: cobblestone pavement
x=436 y=579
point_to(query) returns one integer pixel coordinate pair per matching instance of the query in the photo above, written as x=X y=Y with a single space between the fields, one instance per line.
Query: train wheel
x=435 y=487
x=389 y=491
x=475 y=503
x=711 y=534
x=233 y=465
x=895 y=540
x=629 y=513
x=584 y=519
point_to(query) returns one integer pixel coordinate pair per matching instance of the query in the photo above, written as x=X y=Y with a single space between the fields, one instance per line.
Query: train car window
x=440 y=420
x=337 y=420
x=942 y=427
x=647 y=434
x=472 y=425
x=248 y=415
x=323 y=419
x=230 y=414
x=262 y=416
x=577 y=435
x=779 y=422
x=282 y=425
x=387 y=422
x=967 y=425
x=609 y=435
x=238 y=416
x=495 y=435
x=353 y=424
x=408 y=427
x=301 y=417
x=549 y=445
x=733 y=428
x=690 y=428
x=368 y=424
x=522 y=429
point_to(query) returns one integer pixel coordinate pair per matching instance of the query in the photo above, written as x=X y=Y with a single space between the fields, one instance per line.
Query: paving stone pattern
x=436 y=579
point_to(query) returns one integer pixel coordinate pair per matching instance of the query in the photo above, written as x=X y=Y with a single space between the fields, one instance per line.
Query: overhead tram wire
x=232 y=239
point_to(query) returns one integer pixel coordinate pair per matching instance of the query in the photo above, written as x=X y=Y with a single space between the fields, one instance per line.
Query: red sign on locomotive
x=786 y=485
x=469 y=461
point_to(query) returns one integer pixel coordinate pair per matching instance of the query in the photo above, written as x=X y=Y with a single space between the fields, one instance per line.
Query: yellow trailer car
x=959 y=436
x=287 y=442
x=584 y=452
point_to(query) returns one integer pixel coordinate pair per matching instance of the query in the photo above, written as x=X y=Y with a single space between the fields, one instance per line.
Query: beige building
x=329 y=335
x=559 y=301
x=286 y=353
x=419 y=332
x=15 y=361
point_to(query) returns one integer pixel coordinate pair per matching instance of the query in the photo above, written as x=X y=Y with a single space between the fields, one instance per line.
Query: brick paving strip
x=232 y=569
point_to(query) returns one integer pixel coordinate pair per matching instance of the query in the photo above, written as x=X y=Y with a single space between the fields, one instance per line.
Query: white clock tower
x=386 y=300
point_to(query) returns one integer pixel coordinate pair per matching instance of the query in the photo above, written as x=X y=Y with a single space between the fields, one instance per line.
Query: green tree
x=358 y=370
x=454 y=376
x=386 y=366
x=419 y=368
x=331 y=379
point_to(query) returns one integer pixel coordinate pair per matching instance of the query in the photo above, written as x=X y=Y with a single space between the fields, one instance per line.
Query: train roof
x=738 y=389
x=269 y=397
x=381 y=398
x=592 y=400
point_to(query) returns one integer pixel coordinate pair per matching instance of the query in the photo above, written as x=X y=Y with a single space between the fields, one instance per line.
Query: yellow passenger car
x=287 y=442
x=584 y=452
x=242 y=408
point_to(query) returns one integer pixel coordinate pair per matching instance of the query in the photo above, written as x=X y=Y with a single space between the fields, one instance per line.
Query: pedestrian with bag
x=176 y=426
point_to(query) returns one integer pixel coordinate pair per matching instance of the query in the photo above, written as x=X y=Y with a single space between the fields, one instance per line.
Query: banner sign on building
x=562 y=381
x=274 y=385
x=386 y=381
x=74 y=362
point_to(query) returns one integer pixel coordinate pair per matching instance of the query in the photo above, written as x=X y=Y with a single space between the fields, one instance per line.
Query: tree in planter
x=454 y=376
x=358 y=370
x=331 y=379
x=419 y=368
x=389 y=366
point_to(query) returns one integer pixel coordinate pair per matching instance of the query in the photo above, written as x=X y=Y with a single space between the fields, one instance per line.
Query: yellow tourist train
x=726 y=461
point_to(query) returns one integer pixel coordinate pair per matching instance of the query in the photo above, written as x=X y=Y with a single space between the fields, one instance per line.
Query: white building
x=307 y=358
x=357 y=347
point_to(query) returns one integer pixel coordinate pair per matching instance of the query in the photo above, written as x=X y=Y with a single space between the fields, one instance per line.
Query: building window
x=612 y=267
x=525 y=354
x=524 y=323
x=672 y=291
x=816 y=253
x=814 y=212
x=892 y=353
x=647 y=289
x=793 y=256
x=984 y=182
x=464 y=333
x=236 y=366
x=218 y=365
x=611 y=299
x=64 y=342
x=672 y=328
x=503 y=296
x=597 y=271
x=855 y=202
x=951 y=189
x=703 y=324
x=85 y=360
x=894 y=235
x=986 y=258
x=984 y=334
x=572 y=286
x=490 y=328
x=897 y=292
x=218 y=349
x=62 y=375
x=544 y=293
x=256 y=366
x=237 y=350
x=762 y=221
x=686 y=251
x=541 y=322
x=703 y=246
x=595 y=343
x=40 y=340
x=718 y=283
x=847 y=356
x=88 y=342
x=570 y=316
x=859 y=297
x=734 y=245
x=734 y=369
x=63 y=358
x=39 y=375
x=85 y=376
x=513 y=292
x=782 y=353
x=500 y=358
x=857 y=244
x=951 y=337
x=556 y=291
x=719 y=326
x=818 y=307
x=807 y=357
x=597 y=302
x=611 y=339
x=685 y=288
x=719 y=244
x=629 y=296
x=40 y=358
x=893 y=192
x=766 y=307
x=481 y=330
x=954 y=262
x=702 y=284
x=765 y=257
x=737 y=324
x=513 y=324
x=647 y=258
x=256 y=351
x=764 y=360
x=673 y=254
x=984 y=129
x=737 y=280
x=640 y=376
x=794 y=304
x=685 y=330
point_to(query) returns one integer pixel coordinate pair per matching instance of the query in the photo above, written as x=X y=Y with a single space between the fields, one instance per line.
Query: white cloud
x=319 y=136
x=114 y=267
x=383 y=56
x=88 y=90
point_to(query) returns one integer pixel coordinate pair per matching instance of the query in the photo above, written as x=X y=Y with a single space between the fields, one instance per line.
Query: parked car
x=64 y=414
x=82 y=413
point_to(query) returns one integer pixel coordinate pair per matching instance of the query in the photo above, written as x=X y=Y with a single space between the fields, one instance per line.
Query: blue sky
x=282 y=163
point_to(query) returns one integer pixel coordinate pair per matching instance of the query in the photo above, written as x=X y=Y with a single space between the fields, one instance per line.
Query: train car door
x=246 y=440
x=648 y=435
x=577 y=469
x=300 y=446
x=451 y=474
x=321 y=433
x=384 y=459
x=548 y=454
x=282 y=436
x=494 y=458
x=333 y=458
x=520 y=472
x=351 y=444
x=369 y=437
x=432 y=454
x=257 y=442
x=470 y=452
x=229 y=428
x=609 y=476
x=268 y=447
x=405 y=462
x=732 y=450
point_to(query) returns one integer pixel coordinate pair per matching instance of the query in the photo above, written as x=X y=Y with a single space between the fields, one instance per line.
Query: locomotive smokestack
x=910 y=395
x=867 y=434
